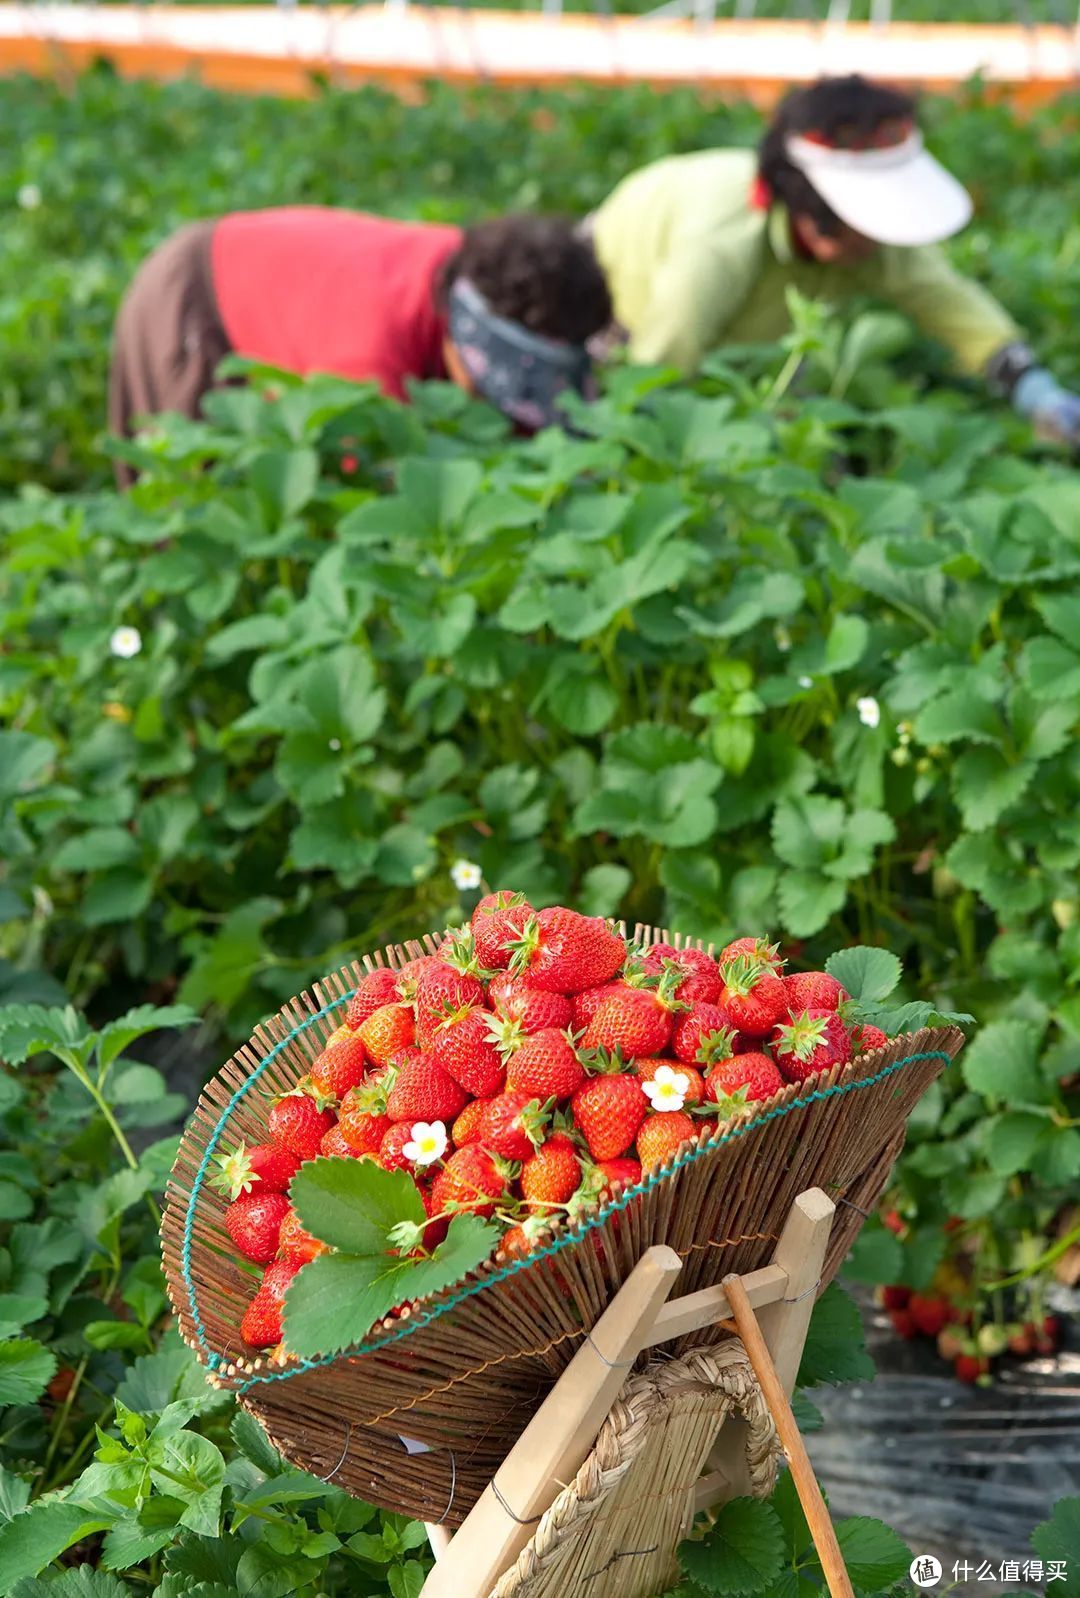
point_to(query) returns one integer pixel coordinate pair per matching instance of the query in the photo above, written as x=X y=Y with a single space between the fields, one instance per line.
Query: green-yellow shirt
x=693 y=264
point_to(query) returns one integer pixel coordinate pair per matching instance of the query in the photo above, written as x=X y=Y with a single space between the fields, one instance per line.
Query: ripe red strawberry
x=895 y=1296
x=391 y=1154
x=903 y=1324
x=423 y=1091
x=1022 y=1342
x=584 y=1005
x=622 y=1172
x=695 y=1089
x=463 y=1045
x=752 y=998
x=545 y=1066
x=969 y=1367
x=866 y=1038
x=261 y=1325
x=660 y=1137
x=564 y=952
x=514 y=1125
x=811 y=1042
x=409 y=974
x=756 y=1073
x=700 y=972
x=498 y=919
x=254 y=1221
x=374 y=990
x=363 y=1120
x=339 y=1067
x=1048 y=1335
x=531 y=1008
x=930 y=1315
x=296 y=1244
x=442 y=990
x=893 y=1222
x=551 y=1176
x=297 y=1123
x=813 y=990
x=387 y=1031
x=470 y=1180
x=266 y=1168
x=635 y=1020
x=469 y=1126
x=759 y=949
x=335 y=1147
x=608 y=1111
x=701 y=1036
x=435 y=1233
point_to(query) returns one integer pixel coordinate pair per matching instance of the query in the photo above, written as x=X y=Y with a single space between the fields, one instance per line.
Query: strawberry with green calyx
x=296 y=1244
x=545 y=1065
x=813 y=990
x=469 y=1125
x=661 y=1136
x=375 y=990
x=339 y=1067
x=694 y=1091
x=608 y=1109
x=565 y=952
x=753 y=998
x=811 y=1042
x=759 y=949
x=334 y=1146
x=423 y=1091
x=551 y=1176
x=472 y=1180
x=498 y=919
x=531 y=1009
x=584 y=1005
x=363 y=1120
x=387 y=1031
x=254 y=1224
x=443 y=990
x=638 y=1019
x=865 y=1038
x=700 y=1036
x=515 y=1125
x=971 y=1368
x=265 y=1168
x=298 y=1123
x=523 y=1237
x=699 y=974
x=463 y=1044
x=757 y=1073
x=261 y=1325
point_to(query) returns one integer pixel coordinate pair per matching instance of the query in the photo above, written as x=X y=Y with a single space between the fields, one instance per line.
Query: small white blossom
x=335 y=744
x=806 y=682
x=427 y=1144
x=869 y=711
x=668 y=1089
x=29 y=197
x=465 y=875
x=782 y=637
x=125 y=642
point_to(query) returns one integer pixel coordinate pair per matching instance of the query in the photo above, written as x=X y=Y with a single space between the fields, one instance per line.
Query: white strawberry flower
x=29 y=197
x=869 y=711
x=427 y=1144
x=466 y=875
x=125 y=642
x=668 y=1089
x=806 y=682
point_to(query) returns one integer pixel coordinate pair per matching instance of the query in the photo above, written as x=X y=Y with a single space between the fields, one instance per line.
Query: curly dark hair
x=535 y=270
x=842 y=109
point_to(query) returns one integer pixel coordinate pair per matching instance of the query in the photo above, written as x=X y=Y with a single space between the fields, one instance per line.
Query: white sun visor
x=895 y=195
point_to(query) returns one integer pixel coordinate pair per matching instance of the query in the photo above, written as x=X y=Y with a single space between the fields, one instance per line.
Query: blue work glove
x=1052 y=410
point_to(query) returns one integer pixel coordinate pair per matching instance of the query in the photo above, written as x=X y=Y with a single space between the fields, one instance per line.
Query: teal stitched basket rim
x=216 y=1361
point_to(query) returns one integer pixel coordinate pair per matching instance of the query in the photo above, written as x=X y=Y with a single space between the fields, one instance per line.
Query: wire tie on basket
x=348 y=1438
x=612 y=1364
x=453 y=1490
x=625 y=1553
x=530 y=1520
x=800 y=1296
x=840 y=1199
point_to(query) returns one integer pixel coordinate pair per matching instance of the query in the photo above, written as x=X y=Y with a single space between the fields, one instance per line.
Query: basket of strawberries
x=400 y=1208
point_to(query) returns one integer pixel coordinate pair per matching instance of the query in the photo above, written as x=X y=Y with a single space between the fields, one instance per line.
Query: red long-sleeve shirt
x=312 y=289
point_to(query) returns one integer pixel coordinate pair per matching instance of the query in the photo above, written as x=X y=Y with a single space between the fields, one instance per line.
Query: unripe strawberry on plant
x=757 y=949
x=387 y=1031
x=423 y=1091
x=700 y=1036
x=660 y=1137
x=498 y=919
x=254 y=1224
x=551 y=1176
x=565 y=952
x=757 y=1073
x=297 y=1123
x=338 y=1068
x=374 y=990
x=950 y=1344
x=265 y=1168
x=261 y=1324
x=532 y=1009
x=546 y=1066
x=464 y=1046
x=811 y=1042
x=700 y=973
x=470 y=1180
x=753 y=998
x=813 y=990
x=297 y=1244
x=608 y=1110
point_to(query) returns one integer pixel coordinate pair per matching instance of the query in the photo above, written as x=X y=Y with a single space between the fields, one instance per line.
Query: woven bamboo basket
x=418 y=1417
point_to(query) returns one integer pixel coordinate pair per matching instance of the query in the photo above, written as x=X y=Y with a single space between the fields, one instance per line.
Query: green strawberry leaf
x=1002 y=1063
x=743 y=1552
x=834 y=1349
x=354 y=1204
x=26 y=1368
x=876 y=1557
x=1057 y=1540
x=868 y=974
x=898 y=1020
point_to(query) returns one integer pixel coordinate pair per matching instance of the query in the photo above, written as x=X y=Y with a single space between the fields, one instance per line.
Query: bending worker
x=840 y=199
x=504 y=309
